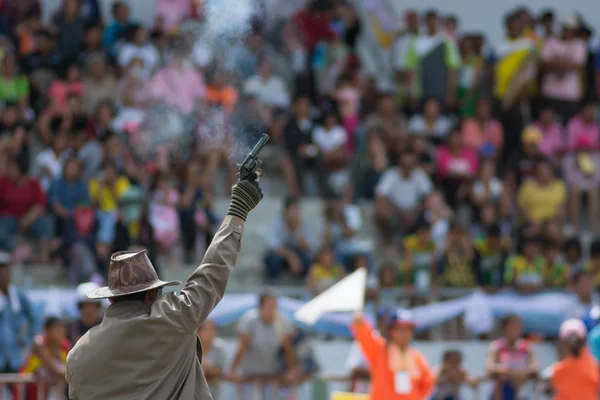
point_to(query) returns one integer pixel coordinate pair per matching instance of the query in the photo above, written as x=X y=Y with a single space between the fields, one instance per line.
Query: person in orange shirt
x=577 y=375
x=220 y=93
x=398 y=372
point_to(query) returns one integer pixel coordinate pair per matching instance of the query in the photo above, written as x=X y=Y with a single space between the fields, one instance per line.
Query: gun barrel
x=259 y=145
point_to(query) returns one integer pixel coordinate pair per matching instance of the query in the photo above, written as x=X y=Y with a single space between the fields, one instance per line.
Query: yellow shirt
x=542 y=203
x=105 y=199
x=510 y=58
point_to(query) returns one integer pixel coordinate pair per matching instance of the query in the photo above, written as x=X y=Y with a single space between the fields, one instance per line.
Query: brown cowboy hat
x=129 y=272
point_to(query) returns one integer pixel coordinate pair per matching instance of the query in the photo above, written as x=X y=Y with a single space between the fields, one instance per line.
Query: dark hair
x=450 y=354
x=45 y=33
x=595 y=248
x=507 y=319
x=290 y=201
x=573 y=243
x=91 y=25
x=451 y=18
x=21 y=165
x=51 y=322
x=494 y=231
x=115 y=7
x=575 y=345
x=139 y=296
x=266 y=295
x=431 y=14
x=547 y=15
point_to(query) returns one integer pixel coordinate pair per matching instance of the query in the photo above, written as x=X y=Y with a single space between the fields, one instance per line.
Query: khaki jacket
x=154 y=353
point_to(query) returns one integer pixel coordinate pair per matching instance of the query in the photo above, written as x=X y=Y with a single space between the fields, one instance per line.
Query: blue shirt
x=68 y=194
x=114 y=32
x=17 y=330
x=594 y=341
x=597 y=61
x=280 y=237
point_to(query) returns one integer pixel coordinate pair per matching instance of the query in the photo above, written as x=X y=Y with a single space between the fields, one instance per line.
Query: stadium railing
x=20 y=382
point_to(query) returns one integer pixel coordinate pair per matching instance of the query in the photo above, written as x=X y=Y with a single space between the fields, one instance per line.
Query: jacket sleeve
x=368 y=340
x=427 y=377
x=72 y=395
x=206 y=286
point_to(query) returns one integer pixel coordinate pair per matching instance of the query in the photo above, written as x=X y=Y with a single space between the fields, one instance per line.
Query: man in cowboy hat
x=147 y=345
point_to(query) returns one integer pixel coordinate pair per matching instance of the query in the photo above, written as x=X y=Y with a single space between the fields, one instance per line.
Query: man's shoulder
x=250 y=315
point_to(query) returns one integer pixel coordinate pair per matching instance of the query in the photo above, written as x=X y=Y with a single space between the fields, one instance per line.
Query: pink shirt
x=567 y=86
x=552 y=140
x=475 y=137
x=180 y=89
x=173 y=12
x=465 y=162
x=59 y=92
x=577 y=128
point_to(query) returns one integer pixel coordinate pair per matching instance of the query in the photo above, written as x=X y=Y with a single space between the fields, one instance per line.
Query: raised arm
x=364 y=334
x=206 y=287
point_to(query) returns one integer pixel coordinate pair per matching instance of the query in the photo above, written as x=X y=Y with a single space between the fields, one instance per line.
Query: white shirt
x=202 y=54
x=404 y=192
x=417 y=126
x=329 y=140
x=495 y=188
x=271 y=92
x=401 y=46
x=147 y=53
x=48 y=161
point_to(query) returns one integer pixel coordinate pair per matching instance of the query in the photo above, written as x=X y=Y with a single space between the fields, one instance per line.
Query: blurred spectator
x=488 y=188
x=331 y=139
x=547 y=22
x=573 y=250
x=557 y=269
x=92 y=45
x=262 y=331
x=89 y=151
x=582 y=285
x=386 y=118
x=23 y=210
x=583 y=125
x=451 y=26
x=401 y=46
x=105 y=192
x=43 y=66
x=511 y=362
x=470 y=77
x=423 y=151
x=525 y=270
x=163 y=215
x=89 y=313
x=431 y=124
x=298 y=141
x=288 y=243
x=433 y=60
x=451 y=376
x=47 y=358
x=195 y=215
x=593 y=264
x=552 y=142
x=99 y=84
x=220 y=93
x=49 y=162
x=543 y=198
x=26 y=32
x=492 y=250
x=581 y=170
x=179 y=85
x=67 y=195
x=325 y=272
x=367 y=167
x=438 y=214
x=563 y=61
x=14 y=86
x=398 y=197
x=456 y=167
x=213 y=357
x=482 y=133
x=18 y=318
x=270 y=89
x=70 y=25
x=172 y=13
x=459 y=266
x=117 y=30
x=522 y=163
x=15 y=137
x=138 y=47
x=62 y=89
x=420 y=255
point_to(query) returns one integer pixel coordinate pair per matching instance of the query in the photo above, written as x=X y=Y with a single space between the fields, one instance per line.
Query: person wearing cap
x=17 y=320
x=89 y=312
x=398 y=372
x=147 y=345
x=577 y=375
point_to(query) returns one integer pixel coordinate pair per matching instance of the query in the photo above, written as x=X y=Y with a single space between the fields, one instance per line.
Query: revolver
x=251 y=163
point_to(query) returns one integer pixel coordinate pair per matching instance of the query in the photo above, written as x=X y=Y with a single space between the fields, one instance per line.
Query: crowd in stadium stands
x=481 y=159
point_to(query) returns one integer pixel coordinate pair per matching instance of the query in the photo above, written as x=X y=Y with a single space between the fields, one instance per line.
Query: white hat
x=570 y=22
x=572 y=327
x=83 y=289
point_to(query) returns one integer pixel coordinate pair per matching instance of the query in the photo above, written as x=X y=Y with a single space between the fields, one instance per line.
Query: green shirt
x=14 y=89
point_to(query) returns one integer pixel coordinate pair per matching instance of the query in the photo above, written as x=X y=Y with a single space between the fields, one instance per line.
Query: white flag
x=345 y=296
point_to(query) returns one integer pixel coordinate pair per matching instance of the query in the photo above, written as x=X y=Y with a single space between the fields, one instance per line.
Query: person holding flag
x=398 y=371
